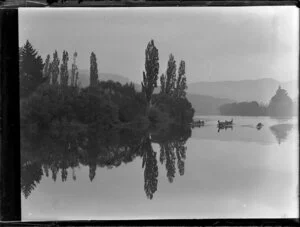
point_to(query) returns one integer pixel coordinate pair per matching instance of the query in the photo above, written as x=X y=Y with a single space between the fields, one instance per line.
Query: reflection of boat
x=225 y=127
x=225 y=123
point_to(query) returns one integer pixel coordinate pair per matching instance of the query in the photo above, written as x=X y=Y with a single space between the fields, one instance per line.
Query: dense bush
x=179 y=109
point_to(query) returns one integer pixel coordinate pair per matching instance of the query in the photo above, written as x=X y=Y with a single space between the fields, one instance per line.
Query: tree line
x=51 y=94
x=280 y=105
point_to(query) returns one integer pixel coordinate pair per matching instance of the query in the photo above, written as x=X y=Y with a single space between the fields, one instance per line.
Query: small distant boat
x=198 y=123
x=259 y=126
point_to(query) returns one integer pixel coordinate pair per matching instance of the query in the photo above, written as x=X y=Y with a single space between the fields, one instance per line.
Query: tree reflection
x=56 y=151
x=172 y=147
x=281 y=131
x=150 y=167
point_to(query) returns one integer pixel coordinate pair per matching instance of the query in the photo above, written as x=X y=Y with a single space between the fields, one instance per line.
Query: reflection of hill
x=47 y=153
x=281 y=131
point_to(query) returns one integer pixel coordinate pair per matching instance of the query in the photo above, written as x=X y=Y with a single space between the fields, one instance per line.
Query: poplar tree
x=170 y=75
x=181 y=82
x=55 y=68
x=74 y=71
x=151 y=71
x=93 y=70
x=162 y=83
x=47 y=68
x=64 y=74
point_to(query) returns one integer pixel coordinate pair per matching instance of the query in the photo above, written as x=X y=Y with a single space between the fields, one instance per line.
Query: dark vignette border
x=10 y=193
x=10 y=199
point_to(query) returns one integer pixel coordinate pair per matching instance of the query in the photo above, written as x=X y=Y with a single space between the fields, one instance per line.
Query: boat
x=259 y=126
x=224 y=124
x=197 y=123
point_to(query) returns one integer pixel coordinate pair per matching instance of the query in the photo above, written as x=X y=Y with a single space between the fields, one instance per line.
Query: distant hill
x=260 y=90
x=207 y=97
x=207 y=105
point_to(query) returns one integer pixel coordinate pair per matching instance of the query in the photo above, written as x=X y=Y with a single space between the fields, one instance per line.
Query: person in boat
x=259 y=125
x=229 y=122
x=221 y=124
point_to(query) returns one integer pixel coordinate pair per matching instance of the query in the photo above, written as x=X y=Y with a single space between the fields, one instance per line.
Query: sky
x=217 y=44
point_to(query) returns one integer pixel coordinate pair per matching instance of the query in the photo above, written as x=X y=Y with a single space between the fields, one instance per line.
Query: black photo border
x=10 y=187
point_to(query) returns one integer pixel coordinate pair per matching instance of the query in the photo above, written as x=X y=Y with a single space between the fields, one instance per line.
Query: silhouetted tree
x=180 y=89
x=55 y=68
x=280 y=104
x=47 y=68
x=93 y=70
x=74 y=71
x=151 y=71
x=162 y=83
x=170 y=76
x=31 y=70
x=64 y=74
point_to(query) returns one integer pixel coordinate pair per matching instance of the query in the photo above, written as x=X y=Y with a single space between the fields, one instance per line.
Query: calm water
x=172 y=173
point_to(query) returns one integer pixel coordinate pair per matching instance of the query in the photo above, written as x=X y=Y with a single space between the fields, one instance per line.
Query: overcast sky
x=232 y=43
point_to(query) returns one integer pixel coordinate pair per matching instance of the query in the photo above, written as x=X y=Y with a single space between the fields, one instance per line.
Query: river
x=240 y=172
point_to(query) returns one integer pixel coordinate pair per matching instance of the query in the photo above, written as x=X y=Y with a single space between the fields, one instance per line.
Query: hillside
x=207 y=97
x=245 y=90
x=207 y=105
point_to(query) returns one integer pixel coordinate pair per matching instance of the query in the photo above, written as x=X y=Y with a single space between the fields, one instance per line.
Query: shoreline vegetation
x=50 y=95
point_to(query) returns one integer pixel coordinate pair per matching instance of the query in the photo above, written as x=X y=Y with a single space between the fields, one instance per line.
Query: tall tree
x=162 y=83
x=74 y=71
x=55 y=68
x=31 y=70
x=93 y=70
x=151 y=71
x=64 y=74
x=181 y=81
x=170 y=75
x=47 y=68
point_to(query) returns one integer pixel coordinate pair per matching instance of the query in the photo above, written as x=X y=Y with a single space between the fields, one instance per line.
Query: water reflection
x=281 y=131
x=225 y=128
x=56 y=151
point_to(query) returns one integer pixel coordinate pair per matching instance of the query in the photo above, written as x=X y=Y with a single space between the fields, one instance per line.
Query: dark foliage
x=31 y=70
x=93 y=70
x=180 y=110
x=151 y=71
